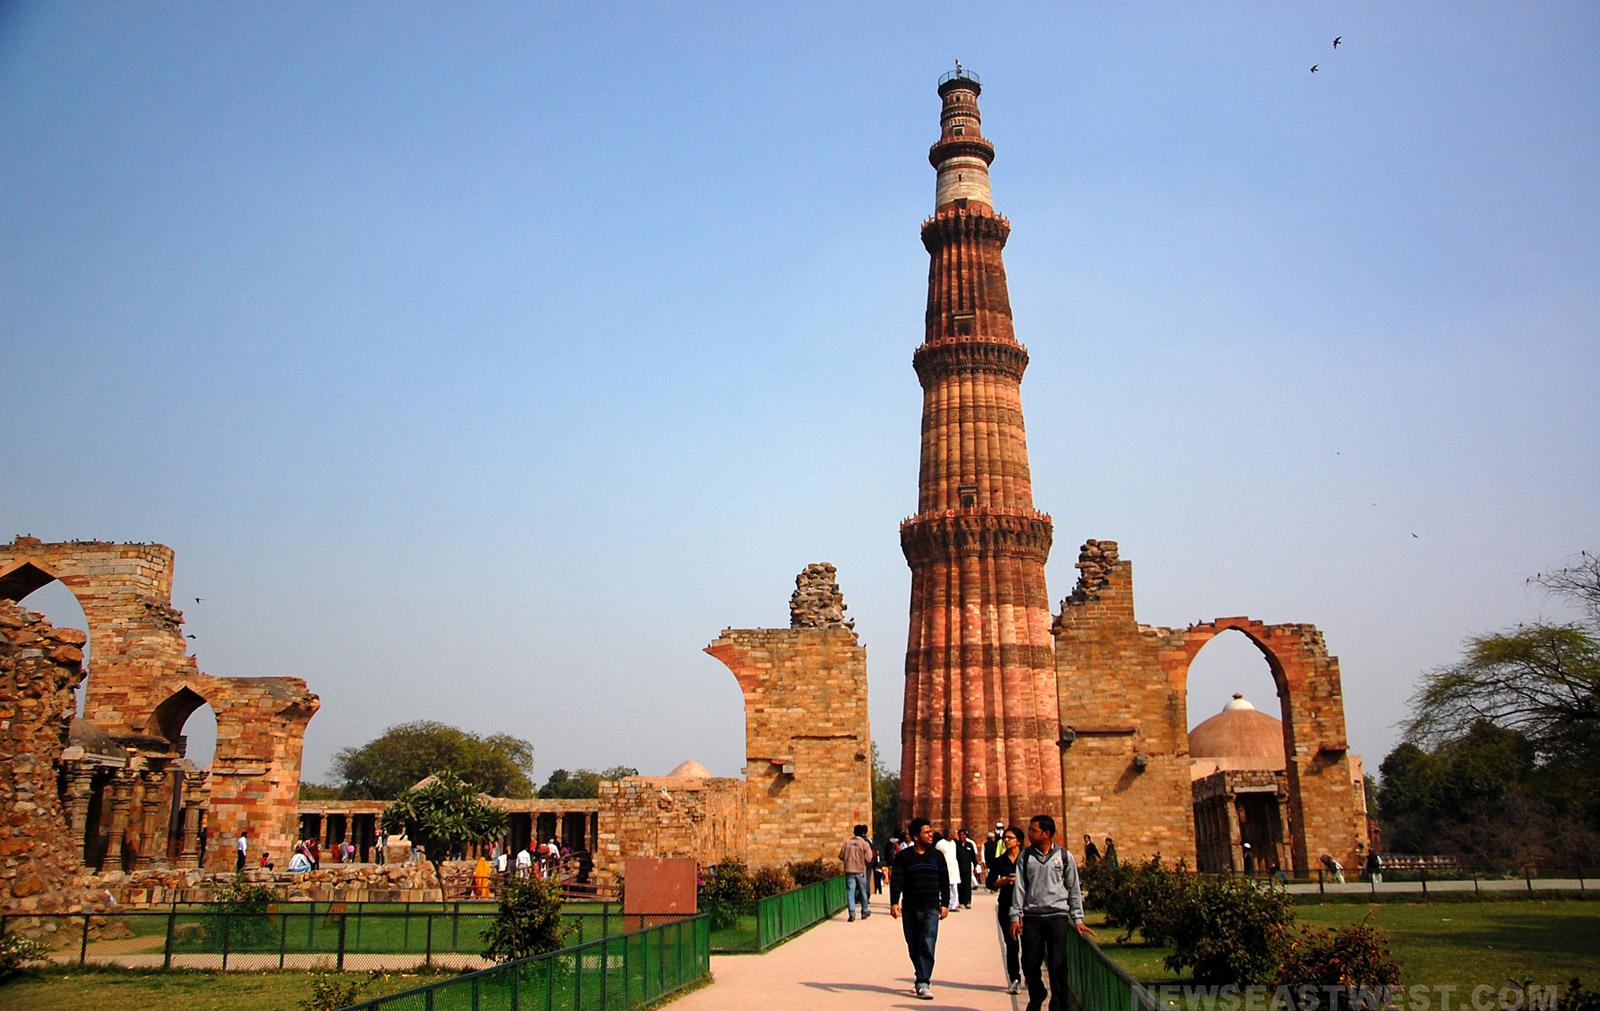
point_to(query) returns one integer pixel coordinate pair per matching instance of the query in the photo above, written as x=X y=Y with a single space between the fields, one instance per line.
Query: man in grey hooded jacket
x=1046 y=903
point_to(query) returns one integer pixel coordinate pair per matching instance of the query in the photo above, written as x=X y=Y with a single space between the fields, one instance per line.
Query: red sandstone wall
x=808 y=778
x=1122 y=705
x=670 y=817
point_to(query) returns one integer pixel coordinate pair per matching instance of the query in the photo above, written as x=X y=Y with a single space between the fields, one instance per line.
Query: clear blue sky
x=481 y=363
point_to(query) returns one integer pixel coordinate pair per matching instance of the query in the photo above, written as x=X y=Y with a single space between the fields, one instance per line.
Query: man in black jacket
x=919 y=897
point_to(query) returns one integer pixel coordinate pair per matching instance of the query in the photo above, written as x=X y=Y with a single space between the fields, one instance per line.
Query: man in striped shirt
x=919 y=897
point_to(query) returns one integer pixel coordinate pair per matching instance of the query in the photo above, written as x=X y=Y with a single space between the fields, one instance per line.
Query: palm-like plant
x=439 y=814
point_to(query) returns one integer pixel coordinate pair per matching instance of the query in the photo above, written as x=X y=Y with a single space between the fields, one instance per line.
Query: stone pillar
x=1230 y=803
x=193 y=799
x=121 y=797
x=152 y=821
x=80 y=790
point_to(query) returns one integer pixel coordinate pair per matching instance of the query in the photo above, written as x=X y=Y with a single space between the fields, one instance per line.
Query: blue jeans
x=921 y=928
x=856 y=884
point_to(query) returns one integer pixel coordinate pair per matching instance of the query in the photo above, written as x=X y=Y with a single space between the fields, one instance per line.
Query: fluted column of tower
x=979 y=730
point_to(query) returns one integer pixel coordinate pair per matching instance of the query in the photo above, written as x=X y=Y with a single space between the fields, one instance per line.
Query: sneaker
x=865 y=914
x=1015 y=986
x=850 y=919
x=923 y=993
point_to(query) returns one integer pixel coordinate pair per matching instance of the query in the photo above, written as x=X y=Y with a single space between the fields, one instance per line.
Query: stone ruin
x=1123 y=701
x=129 y=800
x=40 y=666
x=807 y=775
x=817 y=601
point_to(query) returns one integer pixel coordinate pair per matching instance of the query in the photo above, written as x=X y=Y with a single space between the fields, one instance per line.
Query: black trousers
x=1008 y=944
x=1044 y=945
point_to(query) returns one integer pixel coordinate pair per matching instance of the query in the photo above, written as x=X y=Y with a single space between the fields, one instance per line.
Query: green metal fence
x=610 y=974
x=331 y=936
x=758 y=925
x=1099 y=984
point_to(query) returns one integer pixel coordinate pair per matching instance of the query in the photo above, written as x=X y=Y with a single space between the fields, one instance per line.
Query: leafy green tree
x=885 y=799
x=384 y=768
x=528 y=922
x=441 y=814
x=319 y=791
x=564 y=785
x=1540 y=680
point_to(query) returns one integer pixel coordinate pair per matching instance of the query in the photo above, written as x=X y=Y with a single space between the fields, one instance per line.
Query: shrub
x=771 y=881
x=15 y=950
x=728 y=891
x=243 y=905
x=1579 y=999
x=1126 y=891
x=329 y=993
x=809 y=872
x=1227 y=929
x=1353 y=960
x=528 y=921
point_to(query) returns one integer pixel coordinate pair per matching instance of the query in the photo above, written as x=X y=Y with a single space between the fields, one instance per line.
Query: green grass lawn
x=1459 y=944
x=179 y=990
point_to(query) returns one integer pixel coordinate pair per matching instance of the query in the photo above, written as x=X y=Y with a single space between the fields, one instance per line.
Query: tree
x=528 y=922
x=319 y=791
x=885 y=799
x=564 y=785
x=384 y=768
x=441 y=814
x=1541 y=681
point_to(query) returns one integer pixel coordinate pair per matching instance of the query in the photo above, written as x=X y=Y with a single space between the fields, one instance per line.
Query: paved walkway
x=837 y=964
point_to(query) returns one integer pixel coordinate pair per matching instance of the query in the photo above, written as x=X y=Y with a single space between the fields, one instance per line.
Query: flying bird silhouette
x=1415 y=537
x=1314 y=67
x=1337 y=41
x=198 y=599
x=191 y=635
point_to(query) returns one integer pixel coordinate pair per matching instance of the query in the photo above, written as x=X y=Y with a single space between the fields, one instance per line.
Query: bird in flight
x=1314 y=67
x=198 y=599
x=191 y=635
x=1337 y=41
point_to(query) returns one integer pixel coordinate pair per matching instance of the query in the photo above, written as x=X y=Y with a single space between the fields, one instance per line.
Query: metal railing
x=1099 y=984
x=610 y=974
x=300 y=936
x=757 y=926
x=1423 y=879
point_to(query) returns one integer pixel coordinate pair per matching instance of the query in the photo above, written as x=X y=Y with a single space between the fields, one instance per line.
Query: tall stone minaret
x=980 y=727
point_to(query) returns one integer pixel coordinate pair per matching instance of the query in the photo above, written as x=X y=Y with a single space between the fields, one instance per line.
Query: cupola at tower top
x=962 y=155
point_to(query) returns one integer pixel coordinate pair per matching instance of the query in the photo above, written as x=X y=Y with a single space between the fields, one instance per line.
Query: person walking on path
x=919 y=897
x=966 y=861
x=1046 y=903
x=947 y=849
x=244 y=850
x=1002 y=876
x=856 y=854
x=1091 y=852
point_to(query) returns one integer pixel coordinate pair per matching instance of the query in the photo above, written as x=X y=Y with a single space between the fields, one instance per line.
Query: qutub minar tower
x=980 y=725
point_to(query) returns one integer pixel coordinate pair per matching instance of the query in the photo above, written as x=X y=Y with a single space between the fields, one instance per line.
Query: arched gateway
x=130 y=793
x=1124 y=743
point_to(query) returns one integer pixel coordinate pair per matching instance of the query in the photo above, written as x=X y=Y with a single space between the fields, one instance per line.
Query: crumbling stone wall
x=817 y=601
x=40 y=665
x=807 y=776
x=1123 y=690
x=144 y=686
x=1125 y=733
x=669 y=816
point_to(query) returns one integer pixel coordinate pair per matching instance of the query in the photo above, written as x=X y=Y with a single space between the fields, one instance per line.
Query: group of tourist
x=1040 y=900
